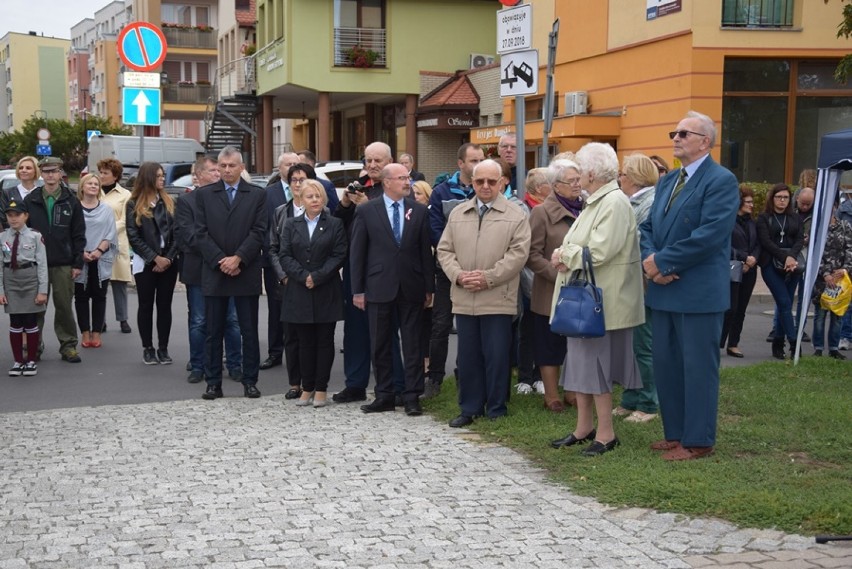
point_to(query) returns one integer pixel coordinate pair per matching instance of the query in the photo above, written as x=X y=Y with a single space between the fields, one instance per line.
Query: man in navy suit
x=231 y=228
x=686 y=243
x=393 y=273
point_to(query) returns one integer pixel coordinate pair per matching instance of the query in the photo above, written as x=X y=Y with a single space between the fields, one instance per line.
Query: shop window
x=815 y=75
x=754 y=137
x=757 y=13
x=753 y=75
x=816 y=116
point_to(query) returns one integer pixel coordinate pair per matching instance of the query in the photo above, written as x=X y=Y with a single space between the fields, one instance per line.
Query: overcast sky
x=50 y=17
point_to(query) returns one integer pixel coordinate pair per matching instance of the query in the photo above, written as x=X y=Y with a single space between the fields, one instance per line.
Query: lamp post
x=85 y=93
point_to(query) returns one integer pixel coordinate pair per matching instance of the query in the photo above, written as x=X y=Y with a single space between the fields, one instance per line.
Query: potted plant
x=361 y=57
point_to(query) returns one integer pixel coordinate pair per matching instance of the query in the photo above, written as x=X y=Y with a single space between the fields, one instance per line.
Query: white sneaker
x=524 y=389
x=844 y=344
x=539 y=386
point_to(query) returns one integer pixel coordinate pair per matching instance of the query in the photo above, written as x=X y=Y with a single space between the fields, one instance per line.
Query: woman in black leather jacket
x=745 y=247
x=781 y=237
x=150 y=230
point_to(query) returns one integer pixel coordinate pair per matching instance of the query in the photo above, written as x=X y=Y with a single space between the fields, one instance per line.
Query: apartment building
x=79 y=77
x=191 y=61
x=33 y=78
x=628 y=70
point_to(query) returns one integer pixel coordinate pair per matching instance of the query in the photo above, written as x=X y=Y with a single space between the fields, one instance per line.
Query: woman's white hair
x=558 y=168
x=599 y=160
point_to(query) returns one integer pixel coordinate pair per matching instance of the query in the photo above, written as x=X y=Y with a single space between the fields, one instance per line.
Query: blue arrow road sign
x=141 y=106
x=43 y=150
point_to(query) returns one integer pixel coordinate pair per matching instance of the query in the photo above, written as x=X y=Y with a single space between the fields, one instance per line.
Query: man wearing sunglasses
x=686 y=243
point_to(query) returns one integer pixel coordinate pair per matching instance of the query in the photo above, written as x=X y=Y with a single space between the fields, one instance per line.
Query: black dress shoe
x=461 y=421
x=270 y=363
x=195 y=377
x=251 y=392
x=213 y=392
x=734 y=354
x=378 y=406
x=293 y=393
x=836 y=355
x=598 y=448
x=571 y=440
x=413 y=409
x=350 y=395
x=125 y=327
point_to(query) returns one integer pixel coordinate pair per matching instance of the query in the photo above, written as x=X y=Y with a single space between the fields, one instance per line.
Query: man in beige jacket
x=482 y=251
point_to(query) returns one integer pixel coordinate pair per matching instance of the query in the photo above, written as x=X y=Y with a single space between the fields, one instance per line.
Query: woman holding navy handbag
x=607 y=227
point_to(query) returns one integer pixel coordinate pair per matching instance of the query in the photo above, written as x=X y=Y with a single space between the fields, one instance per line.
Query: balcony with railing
x=200 y=37
x=360 y=47
x=751 y=14
x=185 y=92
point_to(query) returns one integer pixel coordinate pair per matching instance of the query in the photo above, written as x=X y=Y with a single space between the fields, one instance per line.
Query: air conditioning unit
x=576 y=103
x=478 y=60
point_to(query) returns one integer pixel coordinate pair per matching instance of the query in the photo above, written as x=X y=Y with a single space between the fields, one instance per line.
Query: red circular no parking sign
x=141 y=46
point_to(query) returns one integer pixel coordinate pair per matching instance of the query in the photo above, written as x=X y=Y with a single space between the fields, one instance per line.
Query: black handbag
x=579 y=311
x=801 y=260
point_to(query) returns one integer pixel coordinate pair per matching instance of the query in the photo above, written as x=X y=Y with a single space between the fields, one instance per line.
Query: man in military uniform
x=58 y=216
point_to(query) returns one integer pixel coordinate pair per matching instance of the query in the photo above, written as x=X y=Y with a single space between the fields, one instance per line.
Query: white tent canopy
x=835 y=157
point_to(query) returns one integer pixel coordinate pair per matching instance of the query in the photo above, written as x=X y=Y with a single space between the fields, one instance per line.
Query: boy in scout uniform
x=23 y=285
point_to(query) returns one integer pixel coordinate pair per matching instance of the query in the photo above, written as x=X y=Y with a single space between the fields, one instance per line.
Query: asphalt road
x=115 y=374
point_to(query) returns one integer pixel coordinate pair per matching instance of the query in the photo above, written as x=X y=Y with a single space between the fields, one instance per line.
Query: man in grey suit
x=231 y=225
x=686 y=242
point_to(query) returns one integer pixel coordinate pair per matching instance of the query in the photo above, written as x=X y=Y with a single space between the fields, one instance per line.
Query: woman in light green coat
x=607 y=226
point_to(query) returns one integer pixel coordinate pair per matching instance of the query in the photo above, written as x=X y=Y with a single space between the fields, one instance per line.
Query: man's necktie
x=14 y=262
x=232 y=193
x=681 y=182
x=483 y=209
x=397 y=224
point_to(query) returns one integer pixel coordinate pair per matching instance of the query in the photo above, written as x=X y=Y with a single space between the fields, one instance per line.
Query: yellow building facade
x=34 y=79
x=761 y=69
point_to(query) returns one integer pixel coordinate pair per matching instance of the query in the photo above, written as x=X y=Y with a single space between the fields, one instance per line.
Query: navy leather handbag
x=579 y=311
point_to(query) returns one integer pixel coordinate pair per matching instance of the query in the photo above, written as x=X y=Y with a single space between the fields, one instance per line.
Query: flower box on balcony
x=360 y=57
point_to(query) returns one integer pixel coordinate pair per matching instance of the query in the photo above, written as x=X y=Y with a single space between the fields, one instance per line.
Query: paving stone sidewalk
x=238 y=483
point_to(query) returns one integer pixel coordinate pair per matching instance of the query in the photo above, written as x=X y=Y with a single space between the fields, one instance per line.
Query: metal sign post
x=553 y=39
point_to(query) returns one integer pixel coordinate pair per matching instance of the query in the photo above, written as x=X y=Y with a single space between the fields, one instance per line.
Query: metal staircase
x=230 y=120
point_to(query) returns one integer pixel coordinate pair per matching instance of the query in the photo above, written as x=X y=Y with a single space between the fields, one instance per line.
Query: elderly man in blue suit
x=686 y=243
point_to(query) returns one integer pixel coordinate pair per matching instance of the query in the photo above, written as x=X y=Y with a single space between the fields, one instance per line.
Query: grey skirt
x=21 y=287
x=592 y=365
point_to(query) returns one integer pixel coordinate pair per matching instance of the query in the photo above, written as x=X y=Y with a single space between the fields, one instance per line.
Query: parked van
x=125 y=149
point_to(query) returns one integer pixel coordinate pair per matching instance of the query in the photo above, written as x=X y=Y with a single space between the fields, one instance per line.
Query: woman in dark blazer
x=745 y=247
x=781 y=237
x=150 y=226
x=311 y=249
x=549 y=223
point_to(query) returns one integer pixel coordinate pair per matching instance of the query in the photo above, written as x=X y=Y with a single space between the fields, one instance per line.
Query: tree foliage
x=67 y=139
x=844 y=30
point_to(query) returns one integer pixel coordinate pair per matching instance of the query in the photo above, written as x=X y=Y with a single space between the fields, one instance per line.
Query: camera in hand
x=355 y=187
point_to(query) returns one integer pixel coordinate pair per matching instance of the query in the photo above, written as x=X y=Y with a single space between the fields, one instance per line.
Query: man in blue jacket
x=445 y=197
x=686 y=244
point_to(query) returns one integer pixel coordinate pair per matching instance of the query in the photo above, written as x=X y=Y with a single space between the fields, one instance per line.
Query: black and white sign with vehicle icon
x=519 y=73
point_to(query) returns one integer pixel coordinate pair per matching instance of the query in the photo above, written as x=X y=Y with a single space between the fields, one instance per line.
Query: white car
x=340 y=173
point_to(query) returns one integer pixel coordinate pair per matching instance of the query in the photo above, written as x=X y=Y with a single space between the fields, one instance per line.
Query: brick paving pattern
x=241 y=484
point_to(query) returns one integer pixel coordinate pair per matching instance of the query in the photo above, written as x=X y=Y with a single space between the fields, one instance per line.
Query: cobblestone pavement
x=239 y=483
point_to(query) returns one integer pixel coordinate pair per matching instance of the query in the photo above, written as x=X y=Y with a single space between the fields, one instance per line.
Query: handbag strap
x=587 y=266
